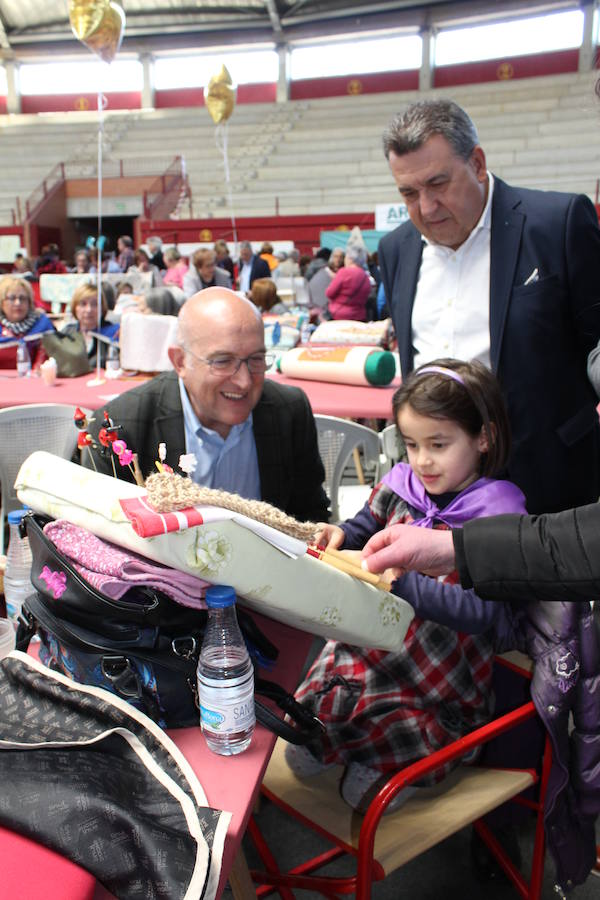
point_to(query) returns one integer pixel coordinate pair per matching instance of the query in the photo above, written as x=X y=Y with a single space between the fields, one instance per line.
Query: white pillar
x=13 y=96
x=283 y=80
x=587 y=51
x=147 y=61
x=427 y=61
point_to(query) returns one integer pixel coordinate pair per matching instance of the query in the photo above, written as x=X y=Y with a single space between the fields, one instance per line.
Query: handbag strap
x=303 y=727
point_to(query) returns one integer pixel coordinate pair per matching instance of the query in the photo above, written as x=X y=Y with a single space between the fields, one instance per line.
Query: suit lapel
x=506 y=230
x=268 y=451
x=410 y=252
x=168 y=422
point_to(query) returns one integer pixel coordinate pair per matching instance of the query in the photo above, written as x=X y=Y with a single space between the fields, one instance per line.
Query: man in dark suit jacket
x=251 y=436
x=532 y=309
x=251 y=267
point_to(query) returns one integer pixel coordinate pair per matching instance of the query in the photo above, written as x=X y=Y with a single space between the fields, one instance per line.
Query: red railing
x=170 y=182
x=42 y=193
x=164 y=193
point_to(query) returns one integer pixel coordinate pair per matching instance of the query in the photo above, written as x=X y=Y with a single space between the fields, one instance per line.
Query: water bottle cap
x=220 y=595
x=15 y=516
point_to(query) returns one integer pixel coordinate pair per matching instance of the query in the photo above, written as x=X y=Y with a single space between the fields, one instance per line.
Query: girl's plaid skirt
x=387 y=710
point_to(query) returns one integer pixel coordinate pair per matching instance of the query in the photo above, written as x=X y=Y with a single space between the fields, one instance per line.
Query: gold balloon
x=219 y=96
x=99 y=24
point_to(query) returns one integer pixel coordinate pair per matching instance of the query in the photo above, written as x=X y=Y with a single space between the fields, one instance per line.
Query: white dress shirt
x=245 y=272
x=451 y=312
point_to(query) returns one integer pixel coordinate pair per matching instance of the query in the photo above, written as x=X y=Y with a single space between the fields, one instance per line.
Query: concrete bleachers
x=317 y=156
x=31 y=146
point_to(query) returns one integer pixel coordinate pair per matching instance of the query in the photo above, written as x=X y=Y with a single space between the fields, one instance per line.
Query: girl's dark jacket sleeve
x=548 y=557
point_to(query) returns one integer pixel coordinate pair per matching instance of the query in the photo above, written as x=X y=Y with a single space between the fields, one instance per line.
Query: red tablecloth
x=15 y=391
x=29 y=872
x=347 y=401
x=343 y=400
x=231 y=783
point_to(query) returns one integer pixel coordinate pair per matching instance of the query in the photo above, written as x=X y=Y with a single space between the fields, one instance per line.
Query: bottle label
x=13 y=608
x=227 y=707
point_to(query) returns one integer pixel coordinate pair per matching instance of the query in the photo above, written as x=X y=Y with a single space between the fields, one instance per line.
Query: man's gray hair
x=409 y=130
x=246 y=245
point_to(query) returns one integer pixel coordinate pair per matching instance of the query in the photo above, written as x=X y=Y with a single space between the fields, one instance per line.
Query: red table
x=347 y=401
x=344 y=400
x=15 y=391
x=230 y=783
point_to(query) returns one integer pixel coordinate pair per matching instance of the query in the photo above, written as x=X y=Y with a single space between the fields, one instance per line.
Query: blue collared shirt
x=230 y=463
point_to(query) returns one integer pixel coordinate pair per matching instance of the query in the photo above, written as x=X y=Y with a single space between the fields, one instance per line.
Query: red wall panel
x=444 y=76
x=70 y=102
x=303 y=230
x=246 y=93
x=340 y=86
x=504 y=69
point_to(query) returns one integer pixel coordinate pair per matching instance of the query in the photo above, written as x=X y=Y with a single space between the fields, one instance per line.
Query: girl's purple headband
x=442 y=370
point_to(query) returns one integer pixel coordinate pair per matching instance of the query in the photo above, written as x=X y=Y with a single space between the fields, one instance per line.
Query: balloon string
x=101 y=105
x=221 y=136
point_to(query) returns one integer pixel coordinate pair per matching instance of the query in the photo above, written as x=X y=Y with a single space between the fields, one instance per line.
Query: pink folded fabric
x=114 y=571
x=146 y=522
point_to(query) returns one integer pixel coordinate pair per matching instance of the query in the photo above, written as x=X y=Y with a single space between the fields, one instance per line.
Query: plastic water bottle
x=23 y=359
x=112 y=365
x=225 y=677
x=17 y=577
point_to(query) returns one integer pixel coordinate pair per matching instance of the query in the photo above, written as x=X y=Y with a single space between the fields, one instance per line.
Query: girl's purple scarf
x=485 y=497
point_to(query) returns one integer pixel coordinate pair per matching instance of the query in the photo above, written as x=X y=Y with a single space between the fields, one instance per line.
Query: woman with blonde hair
x=20 y=318
x=84 y=307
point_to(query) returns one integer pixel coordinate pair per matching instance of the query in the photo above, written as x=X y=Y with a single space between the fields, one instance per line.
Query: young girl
x=382 y=710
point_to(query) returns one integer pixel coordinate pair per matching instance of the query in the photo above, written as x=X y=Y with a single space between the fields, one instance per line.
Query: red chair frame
x=367 y=869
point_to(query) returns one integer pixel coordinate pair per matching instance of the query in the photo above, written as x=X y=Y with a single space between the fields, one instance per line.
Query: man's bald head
x=216 y=304
x=217 y=323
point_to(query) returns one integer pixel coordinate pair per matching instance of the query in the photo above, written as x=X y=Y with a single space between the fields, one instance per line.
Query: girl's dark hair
x=474 y=404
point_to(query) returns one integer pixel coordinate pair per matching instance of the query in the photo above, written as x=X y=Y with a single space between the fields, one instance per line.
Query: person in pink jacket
x=349 y=290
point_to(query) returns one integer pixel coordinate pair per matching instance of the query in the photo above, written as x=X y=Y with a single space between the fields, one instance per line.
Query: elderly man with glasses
x=252 y=437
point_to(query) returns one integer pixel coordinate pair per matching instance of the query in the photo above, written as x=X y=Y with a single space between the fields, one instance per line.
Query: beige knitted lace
x=168 y=492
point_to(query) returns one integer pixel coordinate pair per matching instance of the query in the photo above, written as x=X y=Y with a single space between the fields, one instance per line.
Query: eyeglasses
x=226 y=366
x=17 y=298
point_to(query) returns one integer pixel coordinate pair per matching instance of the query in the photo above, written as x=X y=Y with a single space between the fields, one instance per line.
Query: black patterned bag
x=143 y=647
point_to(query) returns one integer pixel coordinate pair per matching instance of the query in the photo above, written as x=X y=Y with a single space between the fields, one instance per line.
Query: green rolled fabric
x=358 y=365
x=380 y=367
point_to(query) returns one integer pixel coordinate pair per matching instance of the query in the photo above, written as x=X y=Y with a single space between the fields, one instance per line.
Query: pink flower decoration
x=125 y=457
x=56 y=581
x=119 y=447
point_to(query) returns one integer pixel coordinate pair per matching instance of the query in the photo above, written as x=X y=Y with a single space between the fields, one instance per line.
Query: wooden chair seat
x=427 y=817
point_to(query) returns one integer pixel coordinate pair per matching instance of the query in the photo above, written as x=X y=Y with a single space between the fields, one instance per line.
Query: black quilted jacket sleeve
x=547 y=557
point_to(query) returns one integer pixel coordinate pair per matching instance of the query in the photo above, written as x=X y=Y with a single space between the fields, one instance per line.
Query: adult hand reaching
x=404 y=547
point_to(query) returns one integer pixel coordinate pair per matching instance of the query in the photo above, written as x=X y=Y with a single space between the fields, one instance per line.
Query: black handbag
x=143 y=647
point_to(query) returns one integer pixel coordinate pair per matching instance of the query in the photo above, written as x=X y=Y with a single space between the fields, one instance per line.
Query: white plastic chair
x=24 y=429
x=286 y=290
x=337 y=439
x=300 y=286
x=392 y=449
